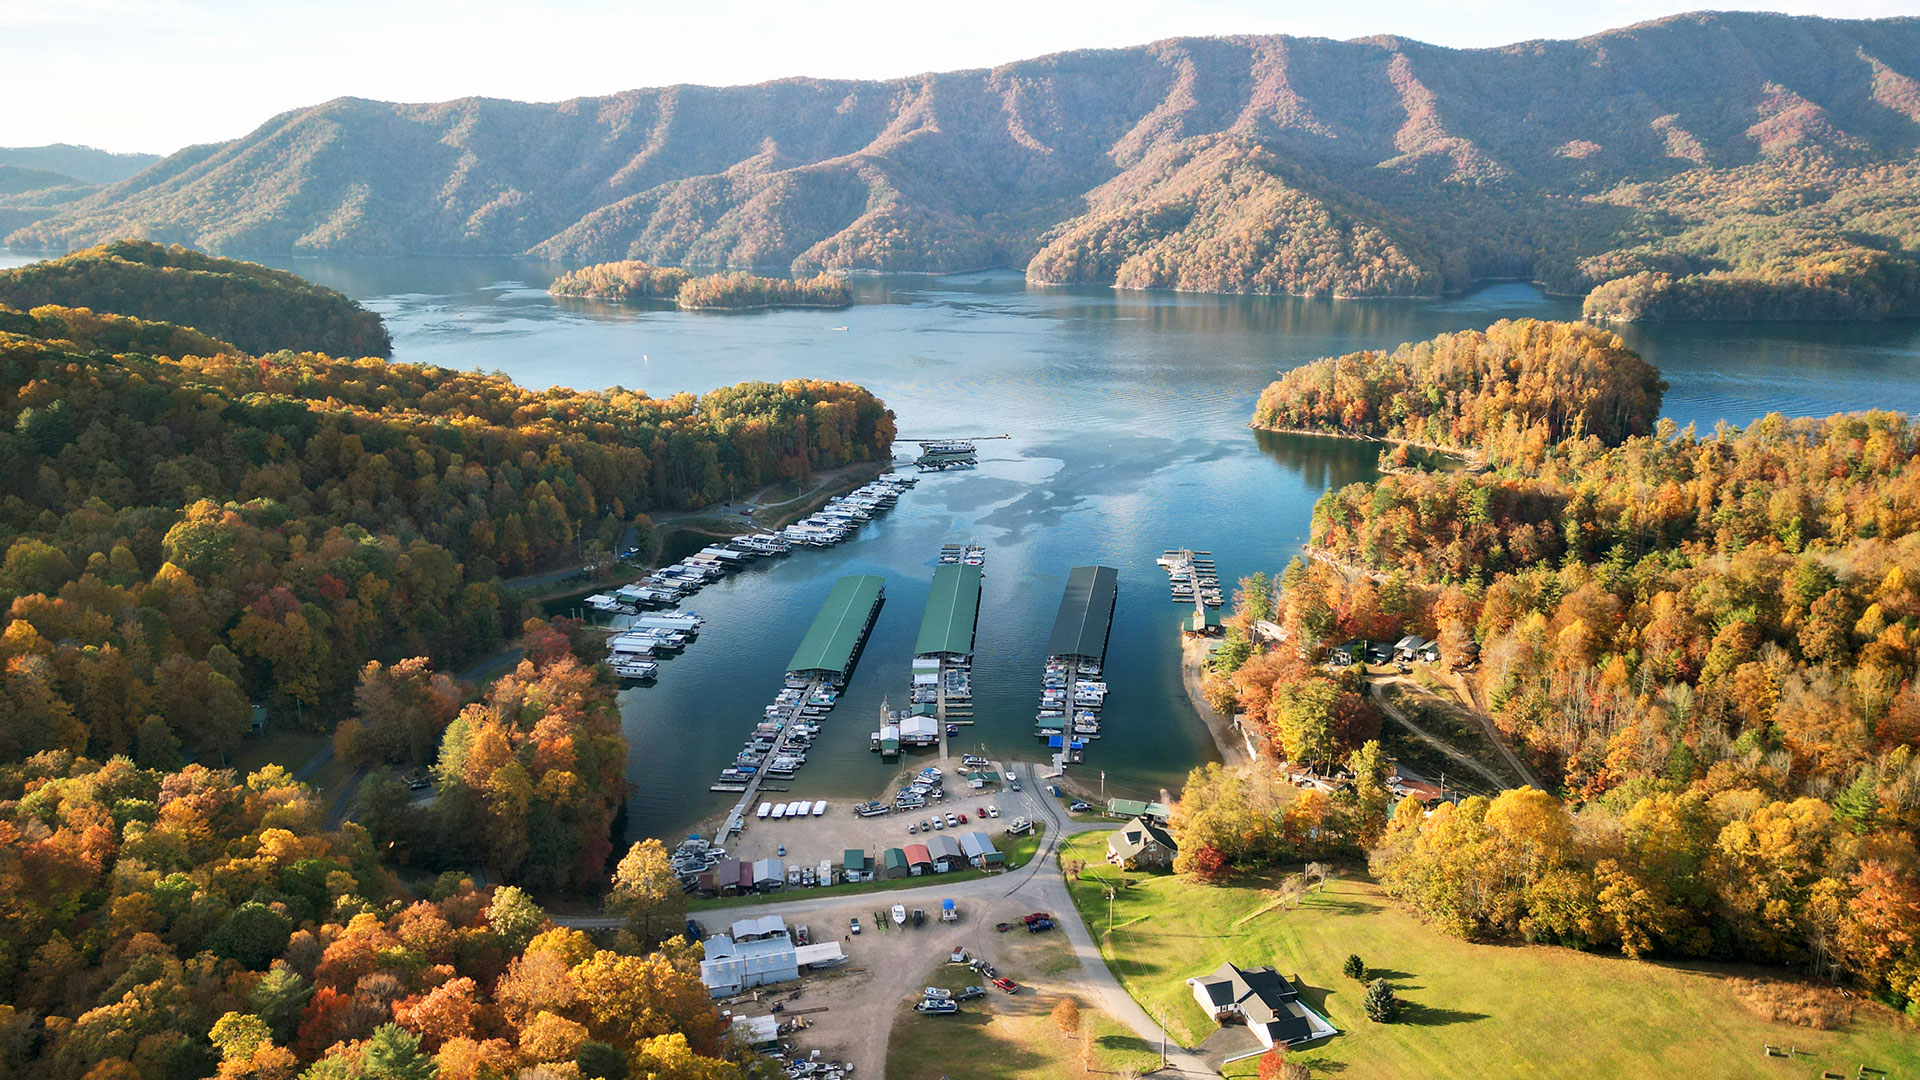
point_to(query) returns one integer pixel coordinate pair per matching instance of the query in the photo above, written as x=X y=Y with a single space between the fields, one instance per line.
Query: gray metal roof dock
x=953 y=612
x=1086 y=613
x=834 y=640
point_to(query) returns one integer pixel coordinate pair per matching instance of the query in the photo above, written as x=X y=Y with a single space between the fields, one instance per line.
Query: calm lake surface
x=1128 y=421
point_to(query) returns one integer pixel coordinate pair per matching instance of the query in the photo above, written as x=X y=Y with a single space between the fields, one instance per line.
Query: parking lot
x=809 y=840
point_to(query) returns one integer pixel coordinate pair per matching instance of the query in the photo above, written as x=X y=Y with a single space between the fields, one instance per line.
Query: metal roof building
x=953 y=612
x=834 y=640
x=1086 y=613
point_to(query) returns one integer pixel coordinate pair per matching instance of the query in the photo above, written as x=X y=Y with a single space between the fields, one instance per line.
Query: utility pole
x=1161 y=1016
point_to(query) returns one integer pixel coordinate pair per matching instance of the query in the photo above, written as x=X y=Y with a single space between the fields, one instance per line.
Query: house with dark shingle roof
x=1264 y=1000
x=1141 y=845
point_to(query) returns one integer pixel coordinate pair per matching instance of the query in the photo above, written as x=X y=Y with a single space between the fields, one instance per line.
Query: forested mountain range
x=1709 y=165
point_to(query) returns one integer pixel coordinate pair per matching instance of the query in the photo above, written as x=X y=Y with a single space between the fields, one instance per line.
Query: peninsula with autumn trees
x=1699 y=647
x=194 y=529
x=633 y=280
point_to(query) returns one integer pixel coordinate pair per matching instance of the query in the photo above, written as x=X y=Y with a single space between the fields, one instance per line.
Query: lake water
x=1128 y=420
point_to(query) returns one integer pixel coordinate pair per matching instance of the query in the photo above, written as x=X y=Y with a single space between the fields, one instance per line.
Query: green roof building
x=953 y=612
x=834 y=640
x=1086 y=613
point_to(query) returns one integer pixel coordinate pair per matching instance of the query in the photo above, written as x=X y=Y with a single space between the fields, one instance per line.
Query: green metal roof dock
x=834 y=640
x=1086 y=613
x=953 y=612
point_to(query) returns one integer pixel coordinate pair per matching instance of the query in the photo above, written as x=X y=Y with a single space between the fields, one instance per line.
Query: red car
x=980 y=812
x=1007 y=984
x=1035 y=917
x=963 y=819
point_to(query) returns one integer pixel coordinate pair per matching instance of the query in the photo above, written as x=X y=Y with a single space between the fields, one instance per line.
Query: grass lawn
x=1473 y=1010
x=1008 y=1038
x=291 y=749
x=1019 y=851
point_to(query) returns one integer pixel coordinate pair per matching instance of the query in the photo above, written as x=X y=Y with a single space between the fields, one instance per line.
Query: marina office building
x=839 y=631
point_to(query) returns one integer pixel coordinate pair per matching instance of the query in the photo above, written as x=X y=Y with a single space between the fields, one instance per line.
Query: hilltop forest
x=1703 y=643
x=191 y=530
x=1703 y=166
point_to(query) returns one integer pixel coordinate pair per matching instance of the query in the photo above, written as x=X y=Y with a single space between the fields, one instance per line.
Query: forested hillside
x=1705 y=645
x=190 y=531
x=256 y=308
x=1725 y=165
x=1514 y=388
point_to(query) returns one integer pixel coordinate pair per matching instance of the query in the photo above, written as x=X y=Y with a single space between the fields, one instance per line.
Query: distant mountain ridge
x=83 y=163
x=1699 y=162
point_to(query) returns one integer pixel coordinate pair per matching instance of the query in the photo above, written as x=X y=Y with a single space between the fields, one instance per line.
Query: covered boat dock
x=1086 y=614
x=839 y=632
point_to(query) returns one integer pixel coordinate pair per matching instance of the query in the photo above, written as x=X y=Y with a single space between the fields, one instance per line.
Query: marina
x=1072 y=684
x=1151 y=447
x=1192 y=578
x=778 y=744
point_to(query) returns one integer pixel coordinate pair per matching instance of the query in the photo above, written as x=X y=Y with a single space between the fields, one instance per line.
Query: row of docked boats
x=957 y=554
x=1071 y=697
x=777 y=747
x=845 y=514
x=643 y=633
x=638 y=641
x=1191 y=575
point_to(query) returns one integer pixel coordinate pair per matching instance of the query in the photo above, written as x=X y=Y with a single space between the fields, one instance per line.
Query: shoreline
x=1471 y=458
x=1193 y=658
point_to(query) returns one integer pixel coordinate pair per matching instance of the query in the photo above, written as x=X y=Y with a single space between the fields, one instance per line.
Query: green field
x=1473 y=1010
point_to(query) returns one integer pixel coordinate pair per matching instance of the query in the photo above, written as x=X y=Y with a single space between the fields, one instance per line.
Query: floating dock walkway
x=1192 y=578
x=1073 y=687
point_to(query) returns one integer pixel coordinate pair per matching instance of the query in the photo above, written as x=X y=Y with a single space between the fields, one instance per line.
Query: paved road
x=1041 y=887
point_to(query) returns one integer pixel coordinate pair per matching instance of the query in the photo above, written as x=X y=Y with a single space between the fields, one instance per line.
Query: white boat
x=779 y=811
x=765 y=809
x=899 y=915
x=635 y=669
x=820 y=808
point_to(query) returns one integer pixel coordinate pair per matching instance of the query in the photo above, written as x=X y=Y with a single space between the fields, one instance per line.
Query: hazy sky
x=156 y=75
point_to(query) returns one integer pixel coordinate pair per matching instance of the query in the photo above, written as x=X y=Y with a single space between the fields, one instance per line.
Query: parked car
x=970 y=993
x=1008 y=985
x=854 y=925
x=963 y=819
x=952 y=822
x=782 y=852
x=1039 y=926
x=1079 y=807
x=993 y=812
x=939 y=824
x=924 y=827
x=695 y=931
x=1035 y=917
x=1015 y=786
x=912 y=828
